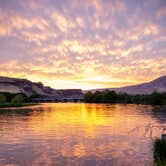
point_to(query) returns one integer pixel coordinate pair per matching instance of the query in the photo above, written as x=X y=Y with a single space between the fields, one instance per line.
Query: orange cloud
x=82 y=44
x=152 y=29
x=62 y=22
x=161 y=12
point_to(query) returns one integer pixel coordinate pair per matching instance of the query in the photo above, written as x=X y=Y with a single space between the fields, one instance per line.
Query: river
x=78 y=134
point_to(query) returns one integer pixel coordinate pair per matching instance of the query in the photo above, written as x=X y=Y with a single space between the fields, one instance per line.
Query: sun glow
x=99 y=47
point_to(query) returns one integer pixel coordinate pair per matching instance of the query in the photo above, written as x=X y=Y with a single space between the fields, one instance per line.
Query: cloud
x=161 y=12
x=83 y=44
x=62 y=22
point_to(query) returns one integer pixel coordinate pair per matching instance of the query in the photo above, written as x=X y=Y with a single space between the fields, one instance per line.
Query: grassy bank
x=160 y=152
x=6 y=105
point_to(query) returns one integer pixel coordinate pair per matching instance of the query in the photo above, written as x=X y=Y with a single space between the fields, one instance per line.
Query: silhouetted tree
x=155 y=98
x=112 y=97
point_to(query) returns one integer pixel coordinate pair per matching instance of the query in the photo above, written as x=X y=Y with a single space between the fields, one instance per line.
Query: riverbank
x=7 y=105
x=160 y=152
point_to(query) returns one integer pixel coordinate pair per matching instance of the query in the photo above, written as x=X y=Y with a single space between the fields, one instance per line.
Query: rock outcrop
x=15 y=85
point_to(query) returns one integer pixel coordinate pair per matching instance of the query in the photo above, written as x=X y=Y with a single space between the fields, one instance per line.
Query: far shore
x=13 y=105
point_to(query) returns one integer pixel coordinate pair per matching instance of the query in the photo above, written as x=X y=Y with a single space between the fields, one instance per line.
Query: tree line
x=155 y=98
x=12 y=98
x=6 y=97
x=107 y=96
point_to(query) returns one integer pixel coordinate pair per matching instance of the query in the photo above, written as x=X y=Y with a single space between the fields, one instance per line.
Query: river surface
x=68 y=134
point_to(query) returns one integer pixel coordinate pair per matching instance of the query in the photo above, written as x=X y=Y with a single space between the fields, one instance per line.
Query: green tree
x=3 y=98
x=89 y=97
x=110 y=97
x=18 y=99
x=127 y=98
x=98 y=97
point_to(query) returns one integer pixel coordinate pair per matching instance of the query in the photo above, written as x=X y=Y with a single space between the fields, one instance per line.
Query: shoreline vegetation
x=10 y=105
x=20 y=99
x=154 y=98
x=8 y=100
x=159 y=152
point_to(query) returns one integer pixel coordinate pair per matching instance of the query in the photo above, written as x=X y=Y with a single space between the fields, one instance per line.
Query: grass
x=160 y=152
x=6 y=105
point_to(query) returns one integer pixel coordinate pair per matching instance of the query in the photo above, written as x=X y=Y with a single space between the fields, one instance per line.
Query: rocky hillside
x=158 y=85
x=15 y=85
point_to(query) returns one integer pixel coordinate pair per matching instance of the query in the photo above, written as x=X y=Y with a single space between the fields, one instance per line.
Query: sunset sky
x=83 y=43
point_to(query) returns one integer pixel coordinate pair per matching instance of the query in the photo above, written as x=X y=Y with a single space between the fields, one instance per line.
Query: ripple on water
x=78 y=134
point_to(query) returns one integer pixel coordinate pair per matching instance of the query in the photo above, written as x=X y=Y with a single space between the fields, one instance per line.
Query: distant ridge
x=16 y=85
x=158 y=85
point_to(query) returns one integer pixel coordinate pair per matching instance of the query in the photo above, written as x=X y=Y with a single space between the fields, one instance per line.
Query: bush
x=160 y=151
x=18 y=99
x=3 y=98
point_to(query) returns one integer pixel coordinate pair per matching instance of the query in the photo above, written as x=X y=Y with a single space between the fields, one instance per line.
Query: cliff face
x=158 y=85
x=14 y=85
x=71 y=93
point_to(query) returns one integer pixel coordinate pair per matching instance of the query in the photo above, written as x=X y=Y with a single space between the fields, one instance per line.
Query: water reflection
x=76 y=134
x=159 y=113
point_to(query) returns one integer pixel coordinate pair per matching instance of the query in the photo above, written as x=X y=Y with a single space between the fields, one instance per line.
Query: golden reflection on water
x=79 y=134
x=86 y=117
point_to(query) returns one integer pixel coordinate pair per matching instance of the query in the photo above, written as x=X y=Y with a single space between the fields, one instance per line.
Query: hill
x=158 y=85
x=16 y=85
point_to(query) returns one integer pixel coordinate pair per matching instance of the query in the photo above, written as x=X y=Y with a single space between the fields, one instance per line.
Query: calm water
x=78 y=134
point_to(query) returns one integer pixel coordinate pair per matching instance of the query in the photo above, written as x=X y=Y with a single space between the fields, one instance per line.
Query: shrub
x=3 y=98
x=18 y=99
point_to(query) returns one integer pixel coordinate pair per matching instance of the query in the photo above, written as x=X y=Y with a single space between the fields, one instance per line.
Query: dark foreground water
x=78 y=134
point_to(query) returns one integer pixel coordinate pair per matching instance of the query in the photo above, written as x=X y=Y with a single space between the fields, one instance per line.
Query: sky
x=83 y=44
